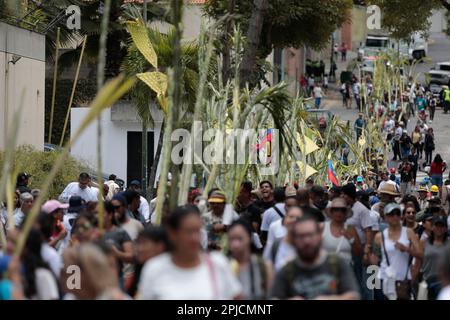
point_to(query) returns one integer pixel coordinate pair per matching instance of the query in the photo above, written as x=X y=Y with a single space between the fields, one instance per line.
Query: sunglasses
x=394 y=213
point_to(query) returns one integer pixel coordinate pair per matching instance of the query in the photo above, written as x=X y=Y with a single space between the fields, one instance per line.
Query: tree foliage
x=404 y=17
x=289 y=23
x=285 y=23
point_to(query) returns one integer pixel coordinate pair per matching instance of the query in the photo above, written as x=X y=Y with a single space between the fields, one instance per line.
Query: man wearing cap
x=423 y=197
x=144 y=207
x=363 y=223
x=360 y=124
x=81 y=188
x=215 y=220
x=26 y=200
x=360 y=185
x=22 y=182
x=76 y=206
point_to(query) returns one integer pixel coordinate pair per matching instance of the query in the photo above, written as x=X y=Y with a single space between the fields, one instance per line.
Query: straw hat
x=390 y=189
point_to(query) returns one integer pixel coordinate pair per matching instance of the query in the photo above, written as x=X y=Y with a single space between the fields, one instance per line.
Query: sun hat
x=390 y=189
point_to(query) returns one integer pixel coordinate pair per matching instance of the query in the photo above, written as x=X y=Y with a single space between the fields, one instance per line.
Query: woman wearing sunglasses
x=409 y=219
x=338 y=237
x=398 y=245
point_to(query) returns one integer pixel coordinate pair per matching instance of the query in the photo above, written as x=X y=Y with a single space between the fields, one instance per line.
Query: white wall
x=114 y=141
x=438 y=21
x=23 y=80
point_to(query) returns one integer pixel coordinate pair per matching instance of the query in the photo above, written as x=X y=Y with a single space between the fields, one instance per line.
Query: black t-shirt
x=333 y=275
x=252 y=213
x=405 y=170
x=263 y=205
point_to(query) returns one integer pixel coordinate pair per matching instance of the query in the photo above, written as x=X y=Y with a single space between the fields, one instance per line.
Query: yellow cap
x=434 y=189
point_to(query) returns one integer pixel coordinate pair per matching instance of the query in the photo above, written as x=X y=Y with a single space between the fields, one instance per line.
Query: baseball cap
x=350 y=190
x=434 y=189
x=135 y=183
x=23 y=176
x=440 y=220
x=359 y=179
x=217 y=197
x=52 y=205
x=76 y=203
x=389 y=208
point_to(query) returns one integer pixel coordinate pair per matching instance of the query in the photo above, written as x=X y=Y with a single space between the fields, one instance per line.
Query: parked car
x=48 y=147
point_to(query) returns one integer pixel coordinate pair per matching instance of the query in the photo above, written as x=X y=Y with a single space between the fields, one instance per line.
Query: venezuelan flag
x=332 y=175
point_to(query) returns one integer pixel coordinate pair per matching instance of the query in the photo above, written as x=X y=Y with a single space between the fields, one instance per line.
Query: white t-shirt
x=53 y=259
x=46 y=286
x=284 y=254
x=271 y=215
x=144 y=209
x=276 y=231
x=73 y=189
x=361 y=219
x=161 y=279
x=444 y=294
x=317 y=92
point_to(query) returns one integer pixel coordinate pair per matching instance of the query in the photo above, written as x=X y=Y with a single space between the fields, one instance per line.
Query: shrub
x=39 y=164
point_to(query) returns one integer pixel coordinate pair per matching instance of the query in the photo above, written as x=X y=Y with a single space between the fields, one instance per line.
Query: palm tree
x=141 y=95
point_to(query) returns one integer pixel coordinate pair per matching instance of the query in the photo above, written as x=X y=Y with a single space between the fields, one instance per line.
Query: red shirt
x=437 y=168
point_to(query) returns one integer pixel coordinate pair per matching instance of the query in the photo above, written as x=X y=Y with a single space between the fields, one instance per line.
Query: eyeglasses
x=117 y=207
x=303 y=236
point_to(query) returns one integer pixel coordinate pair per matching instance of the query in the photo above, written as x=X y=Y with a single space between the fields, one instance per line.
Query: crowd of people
x=360 y=240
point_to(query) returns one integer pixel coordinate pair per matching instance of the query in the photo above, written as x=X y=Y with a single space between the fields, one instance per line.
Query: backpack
x=332 y=263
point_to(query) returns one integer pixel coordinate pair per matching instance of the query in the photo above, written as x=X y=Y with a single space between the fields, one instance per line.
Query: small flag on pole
x=332 y=175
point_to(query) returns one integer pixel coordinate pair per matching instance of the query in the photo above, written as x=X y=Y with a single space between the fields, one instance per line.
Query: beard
x=309 y=254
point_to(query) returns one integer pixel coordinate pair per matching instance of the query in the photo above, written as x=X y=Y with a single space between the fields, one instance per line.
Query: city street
x=438 y=51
